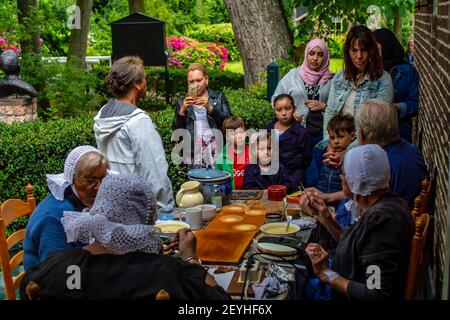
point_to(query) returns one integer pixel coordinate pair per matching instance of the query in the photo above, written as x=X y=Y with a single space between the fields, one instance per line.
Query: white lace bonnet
x=119 y=219
x=57 y=183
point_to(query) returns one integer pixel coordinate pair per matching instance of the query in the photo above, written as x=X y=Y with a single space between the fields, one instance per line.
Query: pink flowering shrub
x=183 y=51
x=6 y=44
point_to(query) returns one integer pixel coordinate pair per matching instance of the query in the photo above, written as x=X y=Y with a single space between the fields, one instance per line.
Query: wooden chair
x=415 y=258
x=421 y=201
x=10 y=210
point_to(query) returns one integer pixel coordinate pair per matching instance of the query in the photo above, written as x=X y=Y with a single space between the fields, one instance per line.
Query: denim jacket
x=292 y=84
x=406 y=92
x=340 y=90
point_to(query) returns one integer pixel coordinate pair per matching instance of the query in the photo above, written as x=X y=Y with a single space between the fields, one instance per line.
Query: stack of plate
x=273 y=251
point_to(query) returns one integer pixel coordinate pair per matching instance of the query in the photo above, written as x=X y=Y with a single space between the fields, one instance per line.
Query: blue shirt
x=408 y=169
x=45 y=233
x=406 y=92
x=295 y=152
x=254 y=180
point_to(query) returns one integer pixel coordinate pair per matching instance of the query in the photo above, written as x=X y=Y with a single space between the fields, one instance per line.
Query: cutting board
x=218 y=243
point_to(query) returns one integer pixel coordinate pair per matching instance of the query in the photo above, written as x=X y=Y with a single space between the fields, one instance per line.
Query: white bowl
x=171 y=226
x=279 y=229
x=208 y=211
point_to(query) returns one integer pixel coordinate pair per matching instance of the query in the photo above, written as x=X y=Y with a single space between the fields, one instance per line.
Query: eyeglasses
x=91 y=182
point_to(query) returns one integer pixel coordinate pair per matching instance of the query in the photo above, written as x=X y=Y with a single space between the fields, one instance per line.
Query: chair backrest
x=421 y=201
x=11 y=210
x=415 y=258
x=162 y=295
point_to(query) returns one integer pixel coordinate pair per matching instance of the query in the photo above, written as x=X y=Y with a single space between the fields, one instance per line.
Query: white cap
x=367 y=169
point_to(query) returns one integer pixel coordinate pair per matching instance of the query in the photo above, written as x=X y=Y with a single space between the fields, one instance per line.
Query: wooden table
x=218 y=239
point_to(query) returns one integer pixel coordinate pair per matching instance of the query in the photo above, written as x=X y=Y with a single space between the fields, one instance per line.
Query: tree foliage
x=319 y=20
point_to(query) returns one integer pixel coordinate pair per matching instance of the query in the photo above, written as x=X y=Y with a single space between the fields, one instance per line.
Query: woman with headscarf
x=372 y=254
x=405 y=78
x=122 y=260
x=309 y=86
x=73 y=190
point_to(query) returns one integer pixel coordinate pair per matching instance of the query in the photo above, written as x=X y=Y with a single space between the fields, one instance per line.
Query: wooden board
x=268 y=205
x=218 y=243
x=235 y=288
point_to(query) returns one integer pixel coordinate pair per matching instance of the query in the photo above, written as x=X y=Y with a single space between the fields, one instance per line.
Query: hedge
x=30 y=150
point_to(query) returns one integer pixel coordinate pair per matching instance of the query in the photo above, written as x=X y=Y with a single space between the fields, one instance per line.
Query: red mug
x=277 y=192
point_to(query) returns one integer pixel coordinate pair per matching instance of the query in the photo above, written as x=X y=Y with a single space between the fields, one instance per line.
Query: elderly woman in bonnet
x=123 y=258
x=377 y=244
x=73 y=190
x=309 y=86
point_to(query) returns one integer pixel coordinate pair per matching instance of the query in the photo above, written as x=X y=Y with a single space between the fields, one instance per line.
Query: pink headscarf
x=321 y=76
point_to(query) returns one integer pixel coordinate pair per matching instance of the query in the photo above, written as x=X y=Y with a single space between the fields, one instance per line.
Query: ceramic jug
x=189 y=195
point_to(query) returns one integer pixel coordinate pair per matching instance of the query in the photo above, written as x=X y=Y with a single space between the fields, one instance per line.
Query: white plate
x=276 y=249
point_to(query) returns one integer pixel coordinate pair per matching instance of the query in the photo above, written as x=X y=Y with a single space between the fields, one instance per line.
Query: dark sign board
x=140 y=35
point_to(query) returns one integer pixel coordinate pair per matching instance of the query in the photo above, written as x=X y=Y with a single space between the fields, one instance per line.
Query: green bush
x=335 y=45
x=29 y=150
x=183 y=51
x=64 y=90
x=286 y=66
x=254 y=111
x=221 y=32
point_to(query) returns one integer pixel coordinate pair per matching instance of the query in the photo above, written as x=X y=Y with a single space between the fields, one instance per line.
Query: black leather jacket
x=221 y=111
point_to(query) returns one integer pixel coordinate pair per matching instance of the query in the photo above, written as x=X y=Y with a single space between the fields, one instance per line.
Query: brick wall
x=18 y=110
x=432 y=59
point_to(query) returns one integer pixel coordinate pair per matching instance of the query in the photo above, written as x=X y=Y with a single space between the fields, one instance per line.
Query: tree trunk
x=261 y=34
x=398 y=23
x=136 y=6
x=30 y=42
x=78 y=37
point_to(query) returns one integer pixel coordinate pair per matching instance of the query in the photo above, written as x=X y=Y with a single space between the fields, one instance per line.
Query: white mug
x=208 y=211
x=193 y=217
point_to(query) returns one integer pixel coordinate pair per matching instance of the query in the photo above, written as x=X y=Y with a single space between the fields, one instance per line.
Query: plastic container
x=277 y=192
x=217 y=196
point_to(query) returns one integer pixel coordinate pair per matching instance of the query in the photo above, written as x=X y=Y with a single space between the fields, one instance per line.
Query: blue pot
x=210 y=178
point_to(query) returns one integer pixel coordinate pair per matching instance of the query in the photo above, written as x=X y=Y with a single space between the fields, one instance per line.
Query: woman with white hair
x=122 y=260
x=73 y=190
x=371 y=258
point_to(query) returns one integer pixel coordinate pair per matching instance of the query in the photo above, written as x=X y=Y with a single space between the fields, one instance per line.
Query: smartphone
x=192 y=92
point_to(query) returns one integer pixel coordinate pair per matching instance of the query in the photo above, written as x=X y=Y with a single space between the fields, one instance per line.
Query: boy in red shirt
x=234 y=157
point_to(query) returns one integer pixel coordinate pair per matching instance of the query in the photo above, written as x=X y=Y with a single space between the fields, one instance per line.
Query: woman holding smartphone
x=202 y=110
